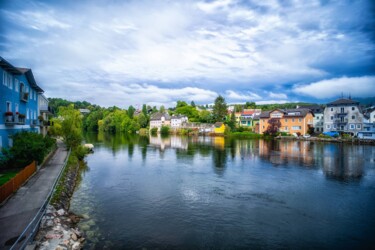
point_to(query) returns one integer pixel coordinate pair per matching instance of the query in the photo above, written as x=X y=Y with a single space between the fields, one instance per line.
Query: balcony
x=34 y=123
x=339 y=121
x=24 y=96
x=341 y=113
x=10 y=119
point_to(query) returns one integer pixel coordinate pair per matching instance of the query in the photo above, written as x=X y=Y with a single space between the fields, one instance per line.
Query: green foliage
x=71 y=126
x=90 y=121
x=29 y=146
x=181 y=104
x=143 y=132
x=219 y=109
x=192 y=104
x=250 y=105
x=142 y=120
x=205 y=117
x=324 y=136
x=162 y=109
x=164 y=130
x=131 y=111
x=232 y=122
x=247 y=135
x=190 y=111
x=80 y=152
x=5 y=177
x=346 y=136
x=154 y=131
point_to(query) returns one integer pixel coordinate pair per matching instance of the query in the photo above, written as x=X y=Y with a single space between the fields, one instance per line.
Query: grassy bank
x=6 y=176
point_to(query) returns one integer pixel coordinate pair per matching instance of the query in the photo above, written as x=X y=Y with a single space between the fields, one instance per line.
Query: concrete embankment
x=356 y=141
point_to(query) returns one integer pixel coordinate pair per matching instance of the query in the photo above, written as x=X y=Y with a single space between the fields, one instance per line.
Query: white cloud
x=243 y=96
x=273 y=102
x=277 y=95
x=355 y=86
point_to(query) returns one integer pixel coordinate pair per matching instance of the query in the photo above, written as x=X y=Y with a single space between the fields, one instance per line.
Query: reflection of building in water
x=283 y=152
x=343 y=161
x=169 y=142
x=247 y=148
x=218 y=142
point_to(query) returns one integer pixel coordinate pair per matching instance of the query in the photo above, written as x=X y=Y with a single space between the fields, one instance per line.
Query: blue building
x=18 y=102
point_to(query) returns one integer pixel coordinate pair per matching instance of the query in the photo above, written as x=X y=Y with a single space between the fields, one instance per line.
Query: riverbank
x=58 y=228
x=355 y=141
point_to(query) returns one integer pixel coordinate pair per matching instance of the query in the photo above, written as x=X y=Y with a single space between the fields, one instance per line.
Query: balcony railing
x=34 y=123
x=24 y=96
x=341 y=121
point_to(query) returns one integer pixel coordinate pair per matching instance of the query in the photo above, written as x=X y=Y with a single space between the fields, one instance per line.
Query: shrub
x=80 y=152
x=164 y=130
x=154 y=131
x=29 y=146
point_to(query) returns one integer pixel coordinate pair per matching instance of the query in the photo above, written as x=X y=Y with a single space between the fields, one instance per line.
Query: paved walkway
x=21 y=208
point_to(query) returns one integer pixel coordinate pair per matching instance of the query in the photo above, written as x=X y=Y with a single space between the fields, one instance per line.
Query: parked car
x=332 y=133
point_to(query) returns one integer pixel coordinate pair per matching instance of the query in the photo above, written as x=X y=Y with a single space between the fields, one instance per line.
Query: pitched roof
x=218 y=124
x=157 y=116
x=9 y=67
x=247 y=112
x=300 y=112
x=343 y=101
x=30 y=77
x=313 y=108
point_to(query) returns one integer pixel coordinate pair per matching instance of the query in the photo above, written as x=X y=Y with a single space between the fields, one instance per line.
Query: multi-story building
x=43 y=112
x=178 y=120
x=293 y=121
x=318 y=121
x=343 y=115
x=18 y=102
x=158 y=120
x=247 y=117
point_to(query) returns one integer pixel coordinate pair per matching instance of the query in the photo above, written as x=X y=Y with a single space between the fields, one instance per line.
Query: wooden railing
x=17 y=181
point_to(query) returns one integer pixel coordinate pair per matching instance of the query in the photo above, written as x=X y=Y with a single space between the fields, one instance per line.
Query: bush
x=154 y=131
x=143 y=131
x=29 y=146
x=80 y=152
x=164 y=130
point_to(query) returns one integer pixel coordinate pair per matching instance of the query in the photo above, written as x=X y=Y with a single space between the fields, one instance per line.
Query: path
x=20 y=209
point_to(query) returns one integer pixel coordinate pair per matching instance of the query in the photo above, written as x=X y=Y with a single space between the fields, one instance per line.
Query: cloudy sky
x=158 y=52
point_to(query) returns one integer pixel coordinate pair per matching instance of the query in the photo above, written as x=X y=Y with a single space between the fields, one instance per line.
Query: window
x=353 y=117
x=9 y=107
x=331 y=117
x=16 y=85
x=31 y=94
x=4 y=78
x=351 y=126
x=16 y=107
x=334 y=126
x=296 y=127
x=300 y=119
x=27 y=113
x=286 y=120
x=286 y=127
x=292 y=119
x=10 y=81
x=358 y=126
x=331 y=109
x=34 y=115
x=353 y=108
x=328 y=126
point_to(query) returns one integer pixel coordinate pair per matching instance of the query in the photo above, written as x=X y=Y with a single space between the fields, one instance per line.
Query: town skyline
x=159 y=52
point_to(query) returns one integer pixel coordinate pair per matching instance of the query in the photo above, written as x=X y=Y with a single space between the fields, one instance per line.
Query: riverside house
x=247 y=117
x=293 y=121
x=344 y=115
x=158 y=120
x=18 y=101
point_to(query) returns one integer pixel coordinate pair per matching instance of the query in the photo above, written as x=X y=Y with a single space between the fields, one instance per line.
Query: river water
x=218 y=193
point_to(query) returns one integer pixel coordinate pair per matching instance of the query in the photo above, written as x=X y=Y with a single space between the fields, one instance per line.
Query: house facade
x=43 y=113
x=247 y=117
x=219 y=128
x=158 y=120
x=343 y=115
x=368 y=131
x=293 y=121
x=18 y=102
x=177 y=121
x=318 y=122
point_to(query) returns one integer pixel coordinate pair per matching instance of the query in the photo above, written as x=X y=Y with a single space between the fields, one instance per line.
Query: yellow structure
x=292 y=120
x=219 y=128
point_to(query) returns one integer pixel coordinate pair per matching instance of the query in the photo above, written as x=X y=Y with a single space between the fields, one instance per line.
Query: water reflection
x=339 y=161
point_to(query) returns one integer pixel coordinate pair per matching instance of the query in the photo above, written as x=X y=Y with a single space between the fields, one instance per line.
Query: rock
x=59 y=247
x=85 y=216
x=49 y=223
x=76 y=246
x=77 y=232
x=82 y=239
x=61 y=212
x=74 y=237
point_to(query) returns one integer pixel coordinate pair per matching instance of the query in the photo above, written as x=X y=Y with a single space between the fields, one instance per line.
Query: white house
x=158 y=120
x=178 y=120
x=368 y=131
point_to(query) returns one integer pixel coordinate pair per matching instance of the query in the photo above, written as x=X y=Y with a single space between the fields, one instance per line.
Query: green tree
x=71 y=125
x=162 y=109
x=144 y=110
x=191 y=112
x=232 y=122
x=205 y=116
x=131 y=111
x=181 y=104
x=250 y=105
x=220 y=109
x=192 y=104
x=142 y=120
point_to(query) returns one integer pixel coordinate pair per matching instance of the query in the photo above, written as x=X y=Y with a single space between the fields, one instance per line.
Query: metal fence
x=17 y=181
x=32 y=228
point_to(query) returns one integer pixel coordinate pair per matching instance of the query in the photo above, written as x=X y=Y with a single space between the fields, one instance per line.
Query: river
x=220 y=193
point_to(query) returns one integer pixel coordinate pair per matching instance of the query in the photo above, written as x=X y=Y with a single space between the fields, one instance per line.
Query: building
x=247 y=117
x=293 y=121
x=368 y=131
x=18 y=102
x=343 y=115
x=84 y=111
x=318 y=121
x=158 y=120
x=177 y=121
x=219 y=128
x=43 y=113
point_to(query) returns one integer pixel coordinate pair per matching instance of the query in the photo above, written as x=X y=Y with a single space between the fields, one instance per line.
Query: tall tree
x=71 y=125
x=131 y=111
x=144 y=110
x=192 y=104
x=162 y=109
x=181 y=104
x=220 y=109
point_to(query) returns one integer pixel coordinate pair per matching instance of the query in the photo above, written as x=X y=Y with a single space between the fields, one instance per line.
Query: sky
x=157 y=52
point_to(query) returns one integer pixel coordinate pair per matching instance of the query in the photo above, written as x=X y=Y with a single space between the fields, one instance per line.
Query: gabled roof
x=218 y=124
x=300 y=112
x=343 y=101
x=157 y=116
x=9 y=67
x=248 y=112
x=314 y=108
x=30 y=77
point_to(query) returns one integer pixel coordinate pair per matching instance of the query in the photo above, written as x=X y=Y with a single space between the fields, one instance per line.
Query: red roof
x=248 y=112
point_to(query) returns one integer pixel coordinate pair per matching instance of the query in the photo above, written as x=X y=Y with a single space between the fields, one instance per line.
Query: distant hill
x=367 y=101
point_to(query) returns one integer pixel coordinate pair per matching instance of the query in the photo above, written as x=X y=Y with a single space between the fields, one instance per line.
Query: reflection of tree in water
x=143 y=141
x=130 y=149
x=219 y=157
x=83 y=168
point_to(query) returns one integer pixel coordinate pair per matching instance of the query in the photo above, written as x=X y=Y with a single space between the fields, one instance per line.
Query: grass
x=247 y=135
x=6 y=176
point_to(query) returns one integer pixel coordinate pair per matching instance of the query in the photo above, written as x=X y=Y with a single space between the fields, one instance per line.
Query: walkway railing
x=33 y=226
x=17 y=181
